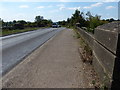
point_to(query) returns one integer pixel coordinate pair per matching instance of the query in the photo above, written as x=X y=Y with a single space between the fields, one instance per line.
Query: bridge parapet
x=105 y=43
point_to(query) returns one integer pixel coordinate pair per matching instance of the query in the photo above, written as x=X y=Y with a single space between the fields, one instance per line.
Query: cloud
x=86 y=7
x=69 y=8
x=73 y=8
x=40 y=7
x=61 y=6
x=110 y=7
x=96 y=4
x=23 y=6
x=93 y=5
x=62 y=0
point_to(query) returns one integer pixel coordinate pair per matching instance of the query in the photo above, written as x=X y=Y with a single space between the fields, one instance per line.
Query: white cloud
x=96 y=4
x=61 y=6
x=24 y=6
x=110 y=7
x=86 y=7
x=62 y=0
x=69 y=8
x=40 y=7
x=93 y=5
x=73 y=8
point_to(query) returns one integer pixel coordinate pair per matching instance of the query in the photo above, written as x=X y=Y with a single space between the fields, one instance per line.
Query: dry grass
x=85 y=51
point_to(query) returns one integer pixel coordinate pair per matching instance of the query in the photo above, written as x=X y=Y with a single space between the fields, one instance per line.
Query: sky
x=56 y=11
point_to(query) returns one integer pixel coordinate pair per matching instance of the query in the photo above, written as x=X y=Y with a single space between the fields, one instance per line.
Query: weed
x=86 y=51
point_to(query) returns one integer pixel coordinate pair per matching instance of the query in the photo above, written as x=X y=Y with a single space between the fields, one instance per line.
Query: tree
x=14 y=21
x=77 y=17
x=22 y=22
x=111 y=20
x=41 y=22
x=93 y=21
x=68 y=20
x=38 y=18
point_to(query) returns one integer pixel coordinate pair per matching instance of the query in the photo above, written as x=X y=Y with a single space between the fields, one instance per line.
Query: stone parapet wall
x=105 y=43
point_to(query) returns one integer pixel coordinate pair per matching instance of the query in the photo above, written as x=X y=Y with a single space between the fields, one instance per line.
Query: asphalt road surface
x=18 y=46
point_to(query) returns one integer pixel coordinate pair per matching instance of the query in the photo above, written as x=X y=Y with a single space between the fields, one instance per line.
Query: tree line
x=85 y=20
x=80 y=19
x=21 y=24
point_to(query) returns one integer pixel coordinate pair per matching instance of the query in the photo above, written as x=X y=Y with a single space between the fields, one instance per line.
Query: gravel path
x=56 y=64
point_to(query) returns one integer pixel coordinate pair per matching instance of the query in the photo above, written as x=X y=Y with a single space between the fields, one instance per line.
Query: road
x=18 y=46
x=56 y=64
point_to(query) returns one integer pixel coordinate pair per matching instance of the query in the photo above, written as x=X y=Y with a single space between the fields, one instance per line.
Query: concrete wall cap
x=112 y=27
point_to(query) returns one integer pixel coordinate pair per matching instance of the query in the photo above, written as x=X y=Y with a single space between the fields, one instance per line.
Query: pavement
x=17 y=46
x=55 y=64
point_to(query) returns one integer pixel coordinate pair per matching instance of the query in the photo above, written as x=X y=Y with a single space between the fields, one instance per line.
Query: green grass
x=9 y=32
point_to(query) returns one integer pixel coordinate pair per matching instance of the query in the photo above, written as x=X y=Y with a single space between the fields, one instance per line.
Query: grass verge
x=91 y=77
x=9 y=32
x=85 y=50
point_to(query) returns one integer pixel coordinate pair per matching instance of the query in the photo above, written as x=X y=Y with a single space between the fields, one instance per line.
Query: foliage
x=94 y=21
x=77 y=18
x=21 y=24
x=63 y=23
x=39 y=18
x=85 y=20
